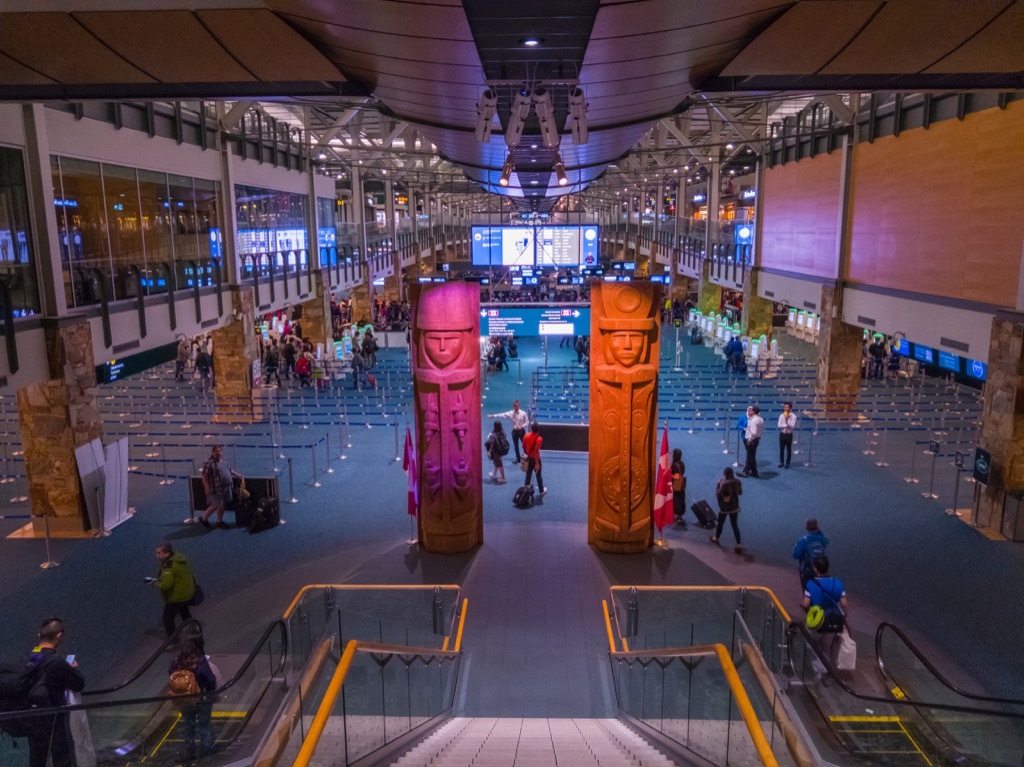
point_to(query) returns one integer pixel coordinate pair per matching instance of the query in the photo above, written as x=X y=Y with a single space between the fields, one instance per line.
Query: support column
x=757 y=311
x=234 y=351
x=317 y=326
x=1002 y=429
x=839 y=353
x=58 y=416
x=50 y=270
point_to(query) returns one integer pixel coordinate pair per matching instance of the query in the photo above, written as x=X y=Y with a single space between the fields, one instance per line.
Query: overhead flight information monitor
x=552 y=245
x=534 y=321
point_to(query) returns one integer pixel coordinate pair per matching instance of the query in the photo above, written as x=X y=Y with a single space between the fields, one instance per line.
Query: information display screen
x=530 y=321
x=949 y=361
x=115 y=370
x=977 y=369
x=924 y=354
x=553 y=246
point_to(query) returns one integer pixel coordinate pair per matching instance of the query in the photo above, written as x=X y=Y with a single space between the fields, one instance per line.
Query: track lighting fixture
x=560 y=171
x=485 y=115
x=506 y=171
x=517 y=117
x=578 y=116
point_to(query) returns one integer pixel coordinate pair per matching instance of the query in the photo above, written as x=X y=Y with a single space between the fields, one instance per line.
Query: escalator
x=266 y=705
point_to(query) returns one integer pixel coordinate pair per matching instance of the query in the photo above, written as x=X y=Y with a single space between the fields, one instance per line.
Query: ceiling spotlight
x=546 y=116
x=530 y=42
x=517 y=117
x=321 y=156
x=560 y=172
x=578 y=115
x=485 y=108
x=728 y=146
x=506 y=171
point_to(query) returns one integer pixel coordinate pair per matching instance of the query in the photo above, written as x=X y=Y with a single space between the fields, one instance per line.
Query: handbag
x=524 y=463
x=198 y=596
x=846 y=660
x=243 y=494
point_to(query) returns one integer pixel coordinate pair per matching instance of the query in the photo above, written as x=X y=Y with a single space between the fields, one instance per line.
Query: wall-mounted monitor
x=924 y=354
x=547 y=245
x=977 y=369
x=949 y=361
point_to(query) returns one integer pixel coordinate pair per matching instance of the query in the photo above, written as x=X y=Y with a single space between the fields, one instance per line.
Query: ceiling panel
x=823 y=27
x=43 y=42
x=908 y=36
x=996 y=48
x=171 y=46
x=266 y=46
x=12 y=71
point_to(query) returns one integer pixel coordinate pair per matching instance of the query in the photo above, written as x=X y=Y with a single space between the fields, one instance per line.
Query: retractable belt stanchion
x=50 y=562
x=291 y=485
x=519 y=371
x=314 y=482
x=809 y=463
x=931 y=480
x=956 y=493
x=163 y=460
x=881 y=462
x=912 y=479
x=327 y=453
x=398 y=451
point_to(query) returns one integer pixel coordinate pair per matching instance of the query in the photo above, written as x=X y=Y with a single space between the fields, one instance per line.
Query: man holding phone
x=51 y=735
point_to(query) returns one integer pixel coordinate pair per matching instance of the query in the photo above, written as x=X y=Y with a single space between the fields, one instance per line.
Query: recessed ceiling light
x=531 y=42
x=534 y=181
x=321 y=156
x=728 y=146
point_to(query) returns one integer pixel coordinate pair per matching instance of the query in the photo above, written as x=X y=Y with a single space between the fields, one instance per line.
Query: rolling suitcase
x=705 y=515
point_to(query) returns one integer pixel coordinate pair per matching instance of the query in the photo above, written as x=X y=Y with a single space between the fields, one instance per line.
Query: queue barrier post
x=881 y=462
x=398 y=453
x=912 y=479
x=50 y=562
x=291 y=485
x=327 y=453
x=163 y=460
x=956 y=493
x=314 y=482
x=931 y=480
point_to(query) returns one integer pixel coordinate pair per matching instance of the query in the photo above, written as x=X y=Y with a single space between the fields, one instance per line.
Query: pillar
x=317 y=324
x=234 y=351
x=839 y=355
x=757 y=311
x=1002 y=429
x=624 y=341
x=446 y=402
x=709 y=294
x=57 y=416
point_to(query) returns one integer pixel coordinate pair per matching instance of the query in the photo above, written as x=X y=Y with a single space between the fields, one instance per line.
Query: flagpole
x=661 y=542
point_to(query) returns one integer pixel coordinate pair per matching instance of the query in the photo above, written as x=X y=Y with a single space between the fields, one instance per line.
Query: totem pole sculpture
x=446 y=383
x=624 y=345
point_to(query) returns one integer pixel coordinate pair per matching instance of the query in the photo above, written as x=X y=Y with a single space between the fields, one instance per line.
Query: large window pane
x=210 y=233
x=82 y=227
x=122 y=204
x=186 y=226
x=326 y=234
x=17 y=257
x=271 y=227
x=156 y=228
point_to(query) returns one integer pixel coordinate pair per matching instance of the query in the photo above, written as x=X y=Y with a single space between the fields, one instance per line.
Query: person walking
x=678 y=471
x=50 y=736
x=787 y=422
x=531 y=446
x=727 y=493
x=181 y=360
x=520 y=422
x=219 y=486
x=176 y=583
x=496 y=446
x=807 y=549
x=829 y=594
x=196 y=713
x=752 y=438
x=271 y=363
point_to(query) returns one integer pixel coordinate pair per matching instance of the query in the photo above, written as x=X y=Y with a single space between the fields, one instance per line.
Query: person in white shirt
x=755 y=428
x=787 y=422
x=520 y=423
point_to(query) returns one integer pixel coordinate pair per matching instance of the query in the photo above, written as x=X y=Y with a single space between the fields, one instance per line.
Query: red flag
x=409 y=465
x=663 y=511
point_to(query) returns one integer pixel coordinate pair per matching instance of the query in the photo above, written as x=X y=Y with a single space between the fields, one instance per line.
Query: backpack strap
x=831 y=596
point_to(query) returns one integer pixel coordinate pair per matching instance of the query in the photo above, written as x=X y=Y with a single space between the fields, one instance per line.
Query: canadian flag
x=663 y=511
x=409 y=465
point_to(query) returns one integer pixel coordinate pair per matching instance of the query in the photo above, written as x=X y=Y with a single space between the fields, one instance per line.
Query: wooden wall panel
x=941 y=211
x=800 y=213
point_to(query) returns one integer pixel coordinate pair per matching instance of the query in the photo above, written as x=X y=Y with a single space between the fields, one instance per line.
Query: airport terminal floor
x=534 y=638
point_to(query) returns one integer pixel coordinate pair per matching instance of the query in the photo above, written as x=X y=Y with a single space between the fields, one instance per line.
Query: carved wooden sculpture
x=624 y=345
x=446 y=382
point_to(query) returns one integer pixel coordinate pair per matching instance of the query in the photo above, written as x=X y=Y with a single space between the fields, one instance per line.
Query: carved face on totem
x=626 y=347
x=442 y=347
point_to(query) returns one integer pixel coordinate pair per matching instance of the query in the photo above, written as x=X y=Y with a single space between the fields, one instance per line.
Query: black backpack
x=502 y=444
x=523 y=499
x=835 y=618
x=22 y=686
x=266 y=515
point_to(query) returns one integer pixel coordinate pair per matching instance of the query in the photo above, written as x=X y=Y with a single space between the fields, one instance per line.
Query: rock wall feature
x=757 y=311
x=709 y=294
x=446 y=386
x=56 y=417
x=316 y=313
x=839 y=354
x=234 y=350
x=624 y=345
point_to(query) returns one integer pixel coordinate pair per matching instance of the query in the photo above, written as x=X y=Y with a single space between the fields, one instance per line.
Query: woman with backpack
x=191 y=673
x=728 y=494
x=496 y=446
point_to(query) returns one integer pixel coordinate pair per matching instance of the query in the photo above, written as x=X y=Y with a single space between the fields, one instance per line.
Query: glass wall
x=17 y=257
x=326 y=231
x=112 y=219
x=272 y=229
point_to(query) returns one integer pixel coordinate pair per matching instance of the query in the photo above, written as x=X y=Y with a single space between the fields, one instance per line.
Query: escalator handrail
x=367 y=587
x=885 y=625
x=330 y=698
x=46 y=711
x=796 y=627
x=192 y=623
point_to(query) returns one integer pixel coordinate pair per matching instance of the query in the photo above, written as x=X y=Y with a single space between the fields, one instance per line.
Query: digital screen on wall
x=977 y=369
x=924 y=354
x=552 y=246
x=116 y=369
x=949 y=361
x=552 y=321
x=903 y=347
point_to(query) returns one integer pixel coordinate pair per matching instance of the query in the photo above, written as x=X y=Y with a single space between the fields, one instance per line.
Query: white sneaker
x=544 y=491
x=492 y=475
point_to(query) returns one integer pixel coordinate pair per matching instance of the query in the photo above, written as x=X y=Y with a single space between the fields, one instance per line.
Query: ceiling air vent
x=126 y=347
x=866 y=321
x=810 y=305
x=769 y=294
x=960 y=346
x=208 y=323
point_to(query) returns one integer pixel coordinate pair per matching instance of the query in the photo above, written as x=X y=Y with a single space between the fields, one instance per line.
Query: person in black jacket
x=728 y=493
x=49 y=735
